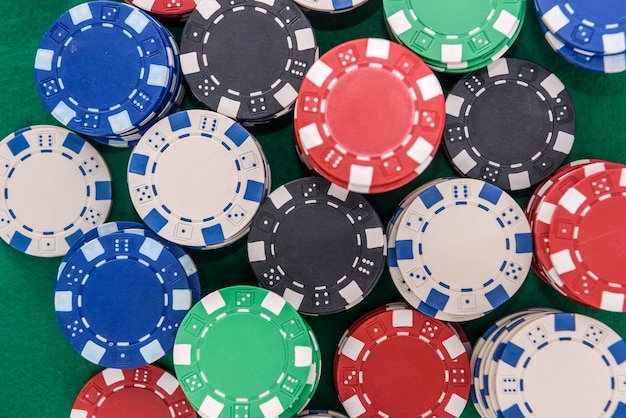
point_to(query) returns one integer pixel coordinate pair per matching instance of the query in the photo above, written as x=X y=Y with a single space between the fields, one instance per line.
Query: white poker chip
x=197 y=178
x=56 y=186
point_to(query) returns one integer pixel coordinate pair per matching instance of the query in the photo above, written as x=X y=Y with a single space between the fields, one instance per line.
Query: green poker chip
x=455 y=35
x=245 y=351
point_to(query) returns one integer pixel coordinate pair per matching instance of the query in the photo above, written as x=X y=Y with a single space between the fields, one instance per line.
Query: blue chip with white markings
x=103 y=68
x=120 y=298
x=55 y=187
x=197 y=178
x=464 y=246
x=596 y=27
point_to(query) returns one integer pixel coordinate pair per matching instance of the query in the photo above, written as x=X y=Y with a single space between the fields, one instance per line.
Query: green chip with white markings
x=454 y=32
x=245 y=351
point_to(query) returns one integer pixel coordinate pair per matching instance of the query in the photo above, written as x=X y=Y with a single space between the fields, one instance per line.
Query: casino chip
x=449 y=226
x=197 y=178
x=396 y=361
x=549 y=364
x=167 y=10
x=511 y=124
x=321 y=413
x=329 y=6
x=120 y=298
x=114 y=106
x=318 y=245
x=363 y=139
x=275 y=376
x=55 y=187
x=476 y=34
x=145 y=392
x=247 y=59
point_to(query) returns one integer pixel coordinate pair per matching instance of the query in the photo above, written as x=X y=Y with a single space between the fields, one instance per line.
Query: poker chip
x=144 y=392
x=589 y=36
x=43 y=214
x=120 y=299
x=321 y=413
x=511 y=124
x=377 y=140
x=329 y=6
x=396 y=361
x=576 y=232
x=447 y=226
x=546 y=364
x=247 y=59
x=167 y=10
x=275 y=376
x=197 y=178
x=111 y=107
x=185 y=261
x=319 y=246
x=477 y=34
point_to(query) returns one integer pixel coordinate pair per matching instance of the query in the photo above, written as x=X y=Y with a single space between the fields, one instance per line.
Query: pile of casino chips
x=56 y=186
x=121 y=294
x=197 y=178
x=578 y=230
x=245 y=351
x=377 y=140
x=319 y=246
x=468 y=37
x=395 y=361
x=511 y=124
x=107 y=70
x=590 y=35
x=458 y=248
x=246 y=59
x=546 y=363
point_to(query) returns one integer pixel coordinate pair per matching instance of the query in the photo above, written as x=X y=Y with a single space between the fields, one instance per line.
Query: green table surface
x=40 y=374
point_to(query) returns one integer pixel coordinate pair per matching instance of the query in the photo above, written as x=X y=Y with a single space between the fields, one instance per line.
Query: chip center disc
x=515 y=117
x=247 y=51
x=122 y=307
x=133 y=402
x=242 y=355
x=184 y=176
x=464 y=15
x=369 y=121
x=450 y=251
x=39 y=199
x=403 y=376
x=602 y=243
x=316 y=245
x=111 y=65
x=578 y=381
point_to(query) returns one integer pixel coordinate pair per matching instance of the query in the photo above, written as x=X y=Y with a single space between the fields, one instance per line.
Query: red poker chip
x=544 y=214
x=587 y=238
x=401 y=362
x=166 y=7
x=144 y=392
x=369 y=115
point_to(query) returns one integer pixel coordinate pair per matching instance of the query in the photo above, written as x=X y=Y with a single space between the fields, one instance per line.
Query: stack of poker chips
x=462 y=37
x=458 y=248
x=108 y=70
x=578 y=230
x=546 y=363
x=590 y=35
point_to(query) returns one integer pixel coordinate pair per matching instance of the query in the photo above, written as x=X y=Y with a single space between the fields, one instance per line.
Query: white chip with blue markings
x=55 y=187
x=464 y=246
x=561 y=365
x=197 y=178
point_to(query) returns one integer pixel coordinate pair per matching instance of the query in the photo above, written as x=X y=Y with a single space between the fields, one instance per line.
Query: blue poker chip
x=120 y=298
x=94 y=38
x=138 y=228
x=596 y=27
x=615 y=63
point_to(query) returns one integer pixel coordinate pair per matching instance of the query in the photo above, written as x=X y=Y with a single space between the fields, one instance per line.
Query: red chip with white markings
x=402 y=363
x=144 y=392
x=369 y=115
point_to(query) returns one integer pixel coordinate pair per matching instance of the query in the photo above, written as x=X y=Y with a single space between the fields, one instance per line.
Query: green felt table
x=40 y=374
